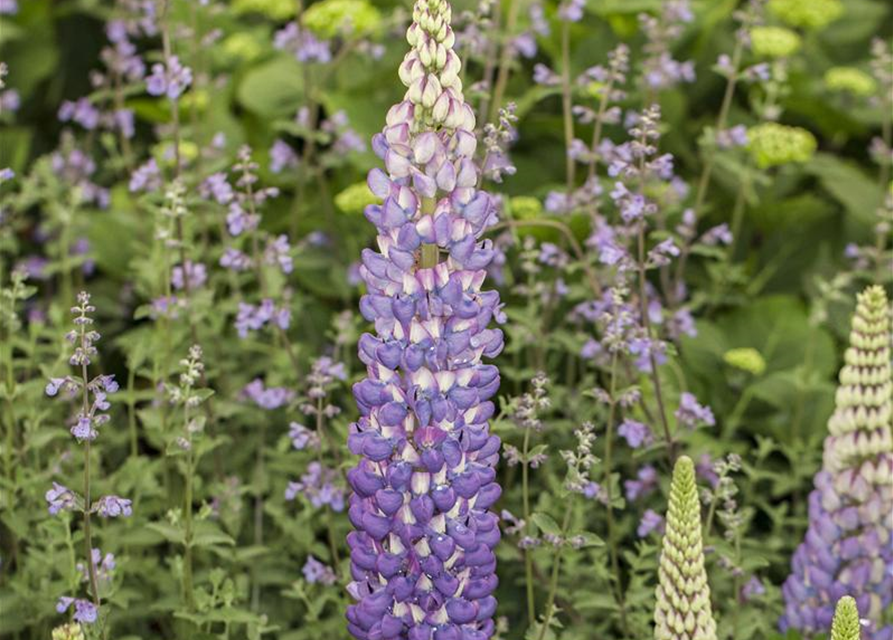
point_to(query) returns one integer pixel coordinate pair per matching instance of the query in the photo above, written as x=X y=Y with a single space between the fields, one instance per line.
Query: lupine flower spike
x=845 y=625
x=848 y=548
x=422 y=556
x=683 y=610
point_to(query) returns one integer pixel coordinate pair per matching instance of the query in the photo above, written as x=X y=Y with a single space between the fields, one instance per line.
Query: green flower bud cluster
x=774 y=42
x=808 y=14
x=330 y=18
x=276 y=9
x=355 y=198
x=772 y=144
x=746 y=359
x=860 y=425
x=846 y=620
x=71 y=631
x=683 y=610
x=851 y=80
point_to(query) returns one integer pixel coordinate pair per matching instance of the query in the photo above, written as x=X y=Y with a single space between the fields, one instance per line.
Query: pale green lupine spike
x=860 y=425
x=846 y=620
x=683 y=610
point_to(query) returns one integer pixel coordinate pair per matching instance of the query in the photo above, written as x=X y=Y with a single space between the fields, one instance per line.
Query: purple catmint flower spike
x=422 y=558
x=848 y=548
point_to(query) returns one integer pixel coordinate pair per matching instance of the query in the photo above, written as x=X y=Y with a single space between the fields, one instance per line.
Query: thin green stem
x=567 y=104
x=528 y=557
x=556 y=570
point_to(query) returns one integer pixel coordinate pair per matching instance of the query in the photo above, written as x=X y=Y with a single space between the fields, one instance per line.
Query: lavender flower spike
x=422 y=556
x=683 y=610
x=848 y=548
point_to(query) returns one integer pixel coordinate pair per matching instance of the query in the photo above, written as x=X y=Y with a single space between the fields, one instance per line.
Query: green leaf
x=546 y=524
x=589 y=539
x=273 y=88
x=849 y=185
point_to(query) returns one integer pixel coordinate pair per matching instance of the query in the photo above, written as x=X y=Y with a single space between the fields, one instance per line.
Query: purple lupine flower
x=113 y=507
x=635 y=433
x=60 y=498
x=651 y=521
x=315 y=571
x=691 y=413
x=422 y=553
x=848 y=548
x=169 y=79
x=85 y=611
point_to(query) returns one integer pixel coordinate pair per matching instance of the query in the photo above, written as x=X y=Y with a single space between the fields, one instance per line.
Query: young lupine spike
x=422 y=556
x=845 y=625
x=848 y=548
x=683 y=610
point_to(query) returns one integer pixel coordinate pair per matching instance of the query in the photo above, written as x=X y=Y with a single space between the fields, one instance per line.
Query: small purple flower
x=316 y=572
x=318 y=486
x=82 y=112
x=635 y=433
x=9 y=7
x=691 y=414
x=571 y=10
x=218 y=187
x=146 y=177
x=170 y=79
x=195 y=275
x=645 y=482
x=113 y=507
x=60 y=498
x=267 y=397
x=651 y=521
x=282 y=157
x=302 y=437
x=235 y=260
x=85 y=611
x=753 y=588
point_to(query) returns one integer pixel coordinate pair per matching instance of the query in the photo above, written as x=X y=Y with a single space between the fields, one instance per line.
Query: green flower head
x=355 y=198
x=746 y=359
x=276 y=9
x=808 y=14
x=772 y=144
x=774 y=42
x=860 y=425
x=845 y=625
x=330 y=18
x=851 y=80
x=683 y=610
x=525 y=207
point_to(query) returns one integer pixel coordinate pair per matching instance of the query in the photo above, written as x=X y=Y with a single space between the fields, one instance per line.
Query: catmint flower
x=305 y=46
x=753 y=588
x=85 y=611
x=217 y=186
x=635 y=433
x=571 y=10
x=733 y=137
x=235 y=260
x=683 y=610
x=60 y=498
x=268 y=398
x=9 y=7
x=316 y=572
x=146 y=177
x=646 y=482
x=282 y=157
x=278 y=252
x=194 y=275
x=103 y=565
x=422 y=555
x=254 y=317
x=691 y=413
x=651 y=521
x=847 y=549
x=302 y=438
x=319 y=486
x=169 y=79
x=82 y=112
x=846 y=624
x=113 y=507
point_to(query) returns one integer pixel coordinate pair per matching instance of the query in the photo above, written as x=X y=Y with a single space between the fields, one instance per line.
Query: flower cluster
x=848 y=548
x=422 y=554
x=846 y=624
x=683 y=610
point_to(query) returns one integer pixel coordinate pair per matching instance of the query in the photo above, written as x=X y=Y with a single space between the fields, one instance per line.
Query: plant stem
x=505 y=59
x=556 y=569
x=566 y=104
x=188 y=587
x=528 y=557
